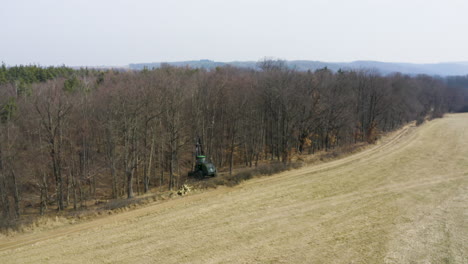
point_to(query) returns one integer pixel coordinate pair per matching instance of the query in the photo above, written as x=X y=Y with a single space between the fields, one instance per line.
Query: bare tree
x=53 y=107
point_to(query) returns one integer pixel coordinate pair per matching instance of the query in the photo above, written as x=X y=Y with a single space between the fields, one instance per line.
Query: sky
x=119 y=32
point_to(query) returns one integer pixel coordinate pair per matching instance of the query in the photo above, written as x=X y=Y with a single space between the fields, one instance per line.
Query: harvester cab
x=202 y=167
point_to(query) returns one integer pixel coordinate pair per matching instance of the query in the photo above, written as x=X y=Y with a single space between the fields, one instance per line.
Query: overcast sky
x=119 y=32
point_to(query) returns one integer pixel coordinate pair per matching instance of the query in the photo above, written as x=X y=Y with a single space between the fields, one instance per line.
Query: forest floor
x=403 y=200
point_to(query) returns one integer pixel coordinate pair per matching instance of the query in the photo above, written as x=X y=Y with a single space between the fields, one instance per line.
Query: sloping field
x=405 y=200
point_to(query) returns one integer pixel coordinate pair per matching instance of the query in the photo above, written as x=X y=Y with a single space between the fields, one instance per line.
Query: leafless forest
x=100 y=135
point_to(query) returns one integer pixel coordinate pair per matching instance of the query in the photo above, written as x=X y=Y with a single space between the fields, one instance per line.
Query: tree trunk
x=129 y=174
x=171 y=172
x=148 y=170
x=231 y=158
x=16 y=196
x=114 y=180
x=74 y=192
x=4 y=197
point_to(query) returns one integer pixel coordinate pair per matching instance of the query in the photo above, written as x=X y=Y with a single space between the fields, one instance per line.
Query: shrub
x=245 y=174
x=121 y=203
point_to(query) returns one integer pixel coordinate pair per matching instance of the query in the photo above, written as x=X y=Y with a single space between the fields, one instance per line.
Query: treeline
x=458 y=86
x=28 y=74
x=23 y=76
x=96 y=135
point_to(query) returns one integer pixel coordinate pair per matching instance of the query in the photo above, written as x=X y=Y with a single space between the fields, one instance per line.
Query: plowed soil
x=404 y=200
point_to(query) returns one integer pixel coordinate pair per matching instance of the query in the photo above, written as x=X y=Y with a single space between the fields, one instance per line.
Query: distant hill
x=385 y=68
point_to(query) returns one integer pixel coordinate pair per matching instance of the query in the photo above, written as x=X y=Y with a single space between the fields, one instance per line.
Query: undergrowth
x=246 y=174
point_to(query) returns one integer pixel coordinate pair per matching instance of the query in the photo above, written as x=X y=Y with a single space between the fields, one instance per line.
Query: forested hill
x=441 y=69
x=69 y=137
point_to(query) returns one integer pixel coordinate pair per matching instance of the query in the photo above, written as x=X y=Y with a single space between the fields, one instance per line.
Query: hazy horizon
x=227 y=62
x=118 y=33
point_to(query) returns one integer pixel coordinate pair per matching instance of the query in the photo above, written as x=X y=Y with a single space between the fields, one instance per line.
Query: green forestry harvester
x=202 y=167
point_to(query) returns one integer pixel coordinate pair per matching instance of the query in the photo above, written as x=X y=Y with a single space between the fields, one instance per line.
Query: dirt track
x=404 y=200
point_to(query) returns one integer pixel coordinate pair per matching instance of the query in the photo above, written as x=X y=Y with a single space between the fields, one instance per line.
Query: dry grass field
x=404 y=200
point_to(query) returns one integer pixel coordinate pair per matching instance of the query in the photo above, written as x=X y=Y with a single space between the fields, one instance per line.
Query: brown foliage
x=119 y=133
